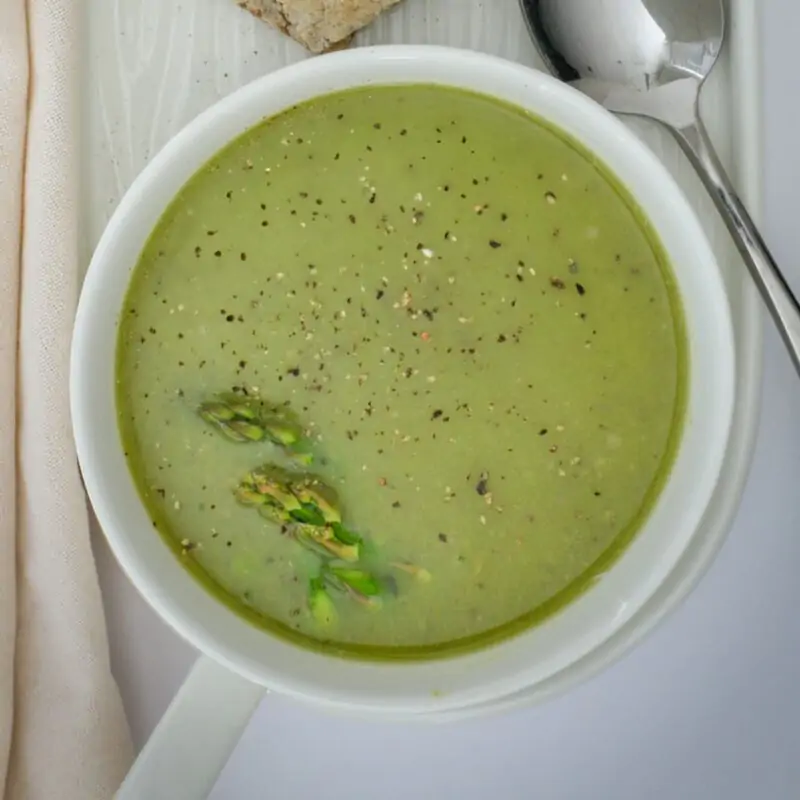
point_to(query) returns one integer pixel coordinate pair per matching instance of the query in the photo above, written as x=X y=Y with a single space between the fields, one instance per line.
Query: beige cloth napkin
x=63 y=734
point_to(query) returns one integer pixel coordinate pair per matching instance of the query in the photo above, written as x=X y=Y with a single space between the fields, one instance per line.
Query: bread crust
x=319 y=25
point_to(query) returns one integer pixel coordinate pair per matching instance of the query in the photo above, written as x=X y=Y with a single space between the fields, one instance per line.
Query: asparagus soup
x=400 y=372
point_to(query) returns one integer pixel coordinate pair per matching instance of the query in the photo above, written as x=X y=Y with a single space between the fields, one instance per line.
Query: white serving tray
x=152 y=65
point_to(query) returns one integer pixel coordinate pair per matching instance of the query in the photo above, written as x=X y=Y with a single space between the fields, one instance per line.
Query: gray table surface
x=708 y=708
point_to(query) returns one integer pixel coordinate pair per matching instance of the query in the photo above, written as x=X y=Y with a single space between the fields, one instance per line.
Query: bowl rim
x=174 y=150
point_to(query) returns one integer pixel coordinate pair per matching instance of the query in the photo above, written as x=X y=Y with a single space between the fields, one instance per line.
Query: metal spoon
x=650 y=58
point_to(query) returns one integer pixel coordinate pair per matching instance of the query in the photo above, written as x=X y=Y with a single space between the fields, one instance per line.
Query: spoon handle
x=777 y=294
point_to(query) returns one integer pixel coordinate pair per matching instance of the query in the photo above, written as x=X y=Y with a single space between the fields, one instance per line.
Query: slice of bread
x=319 y=25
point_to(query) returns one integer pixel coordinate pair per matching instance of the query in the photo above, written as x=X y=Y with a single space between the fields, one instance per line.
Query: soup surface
x=476 y=330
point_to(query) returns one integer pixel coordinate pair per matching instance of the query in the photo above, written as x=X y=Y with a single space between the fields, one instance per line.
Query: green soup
x=476 y=329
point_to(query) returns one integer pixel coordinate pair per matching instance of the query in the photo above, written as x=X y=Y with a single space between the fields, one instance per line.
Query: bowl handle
x=194 y=739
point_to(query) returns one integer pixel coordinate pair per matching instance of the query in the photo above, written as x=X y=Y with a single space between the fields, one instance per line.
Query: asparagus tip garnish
x=272 y=482
x=304 y=506
x=247 y=495
x=225 y=421
x=249 y=419
x=215 y=412
x=282 y=433
x=311 y=491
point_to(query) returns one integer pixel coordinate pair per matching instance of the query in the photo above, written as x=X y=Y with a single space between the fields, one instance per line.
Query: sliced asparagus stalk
x=420 y=573
x=373 y=603
x=357 y=580
x=320 y=604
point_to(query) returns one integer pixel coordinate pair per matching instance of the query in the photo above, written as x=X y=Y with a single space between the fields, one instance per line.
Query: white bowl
x=533 y=656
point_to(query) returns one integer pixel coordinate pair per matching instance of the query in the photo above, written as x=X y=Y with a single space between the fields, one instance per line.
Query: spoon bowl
x=641 y=45
x=650 y=58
